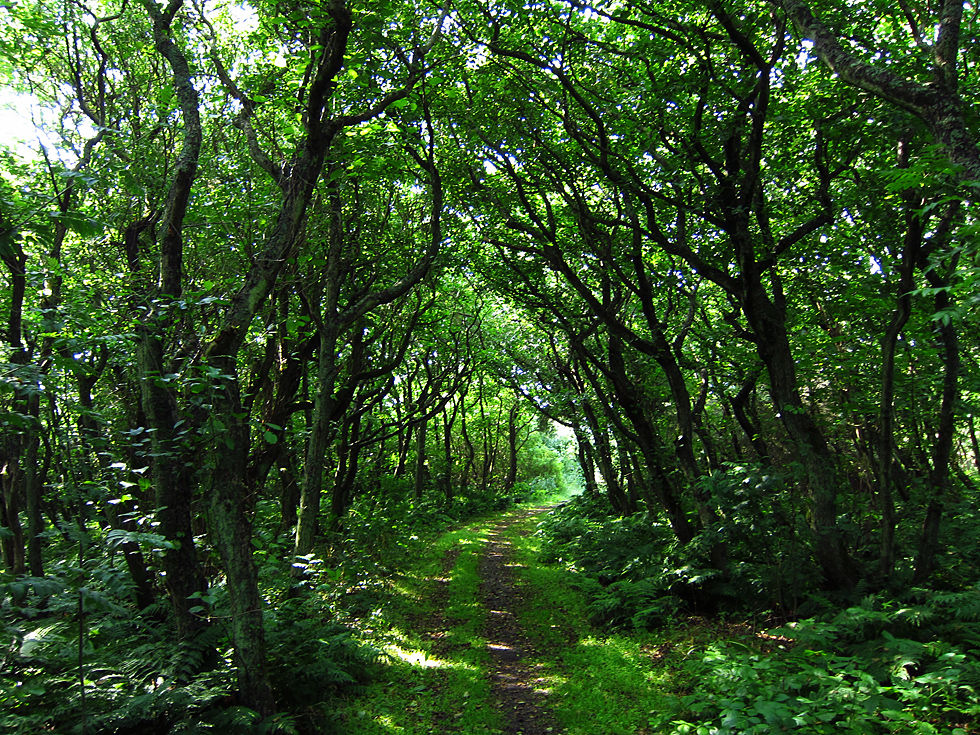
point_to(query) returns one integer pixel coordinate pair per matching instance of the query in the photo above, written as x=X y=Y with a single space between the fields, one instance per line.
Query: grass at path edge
x=424 y=683
x=601 y=682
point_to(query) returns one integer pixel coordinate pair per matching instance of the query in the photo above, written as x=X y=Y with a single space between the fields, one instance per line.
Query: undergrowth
x=901 y=661
x=80 y=661
x=114 y=672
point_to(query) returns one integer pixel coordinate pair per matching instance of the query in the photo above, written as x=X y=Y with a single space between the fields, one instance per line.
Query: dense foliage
x=287 y=286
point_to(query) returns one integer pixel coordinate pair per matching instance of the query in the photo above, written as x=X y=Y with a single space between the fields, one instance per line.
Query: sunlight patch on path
x=518 y=683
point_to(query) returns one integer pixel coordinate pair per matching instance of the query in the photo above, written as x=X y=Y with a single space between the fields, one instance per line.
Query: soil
x=519 y=690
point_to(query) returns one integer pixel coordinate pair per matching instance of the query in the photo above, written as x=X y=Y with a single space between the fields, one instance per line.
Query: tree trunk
x=321 y=435
x=945 y=435
x=289 y=490
x=974 y=442
x=604 y=460
x=13 y=546
x=447 y=446
x=886 y=414
x=348 y=453
x=171 y=471
x=421 y=469
x=231 y=533
x=586 y=462
x=767 y=321
x=469 y=450
x=739 y=404
x=511 y=479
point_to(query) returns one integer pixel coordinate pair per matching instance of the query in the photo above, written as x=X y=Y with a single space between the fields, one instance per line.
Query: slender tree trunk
x=33 y=492
x=321 y=435
x=604 y=460
x=511 y=479
x=289 y=490
x=945 y=435
x=651 y=447
x=739 y=404
x=346 y=476
x=447 y=446
x=469 y=451
x=886 y=415
x=405 y=432
x=974 y=442
x=93 y=442
x=421 y=468
x=585 y=459
x=13 y=546
x=15 y=447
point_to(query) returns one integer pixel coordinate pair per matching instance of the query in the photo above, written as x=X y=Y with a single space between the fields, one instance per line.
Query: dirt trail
x=517 y=687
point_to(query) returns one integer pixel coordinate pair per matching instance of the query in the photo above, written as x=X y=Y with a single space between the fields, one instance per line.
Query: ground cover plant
x=889 y=661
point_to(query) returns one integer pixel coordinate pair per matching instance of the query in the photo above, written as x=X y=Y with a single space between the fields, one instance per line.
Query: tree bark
x=421 y=460
x=231 y=533
x=767 y=321
x=945 y=435
x=935 y=102
x=447 y=446
x=886 y=416
x=511 y=479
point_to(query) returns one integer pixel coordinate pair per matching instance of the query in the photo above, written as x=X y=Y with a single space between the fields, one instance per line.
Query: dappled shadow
x=517 y=681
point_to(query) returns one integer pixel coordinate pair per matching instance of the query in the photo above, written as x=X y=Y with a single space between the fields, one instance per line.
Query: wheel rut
x=517 y=684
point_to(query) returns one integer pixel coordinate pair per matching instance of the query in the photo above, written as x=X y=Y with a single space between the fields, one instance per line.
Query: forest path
x=473 y=641
x=516 y=684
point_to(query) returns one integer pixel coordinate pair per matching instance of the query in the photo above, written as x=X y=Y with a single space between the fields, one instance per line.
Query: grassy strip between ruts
x=601 y=683
x=432 y=674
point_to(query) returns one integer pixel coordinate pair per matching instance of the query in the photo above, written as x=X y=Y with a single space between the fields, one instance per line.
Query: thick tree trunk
x=231 y=533
x=935 y=101
x=171 y=471
x=767 y=321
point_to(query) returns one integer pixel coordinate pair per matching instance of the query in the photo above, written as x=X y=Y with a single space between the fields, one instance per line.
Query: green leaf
x=8 y=248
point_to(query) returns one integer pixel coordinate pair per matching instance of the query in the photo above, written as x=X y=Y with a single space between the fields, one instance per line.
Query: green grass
x=601 y=682
x=417 y=686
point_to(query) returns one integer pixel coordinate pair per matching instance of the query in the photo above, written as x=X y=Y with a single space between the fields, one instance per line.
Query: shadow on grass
x=600 y=683
x=431 y=676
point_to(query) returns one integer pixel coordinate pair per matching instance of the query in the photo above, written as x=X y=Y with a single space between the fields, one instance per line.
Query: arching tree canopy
x=275 y=274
